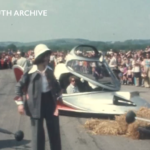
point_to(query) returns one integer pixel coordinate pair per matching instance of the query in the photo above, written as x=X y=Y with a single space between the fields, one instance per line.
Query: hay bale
x=119 y=125
x=143 y=112
x=122 y=123
x=105 y=127
x=132 y=131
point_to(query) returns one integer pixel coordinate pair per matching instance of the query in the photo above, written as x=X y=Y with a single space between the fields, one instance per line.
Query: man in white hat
x=41 y=96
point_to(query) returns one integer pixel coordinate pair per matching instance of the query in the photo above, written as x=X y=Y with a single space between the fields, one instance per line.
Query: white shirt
x=30 y=57
x=52 y=58
x=136 y=69
x=93 y=64
x=23 y=62
x=113 y=62
x=72 y=89
x=13 y=59
x=45 y=84
x=59 y=59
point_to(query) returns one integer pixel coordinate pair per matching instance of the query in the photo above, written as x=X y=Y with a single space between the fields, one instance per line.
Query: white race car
x=99 y=88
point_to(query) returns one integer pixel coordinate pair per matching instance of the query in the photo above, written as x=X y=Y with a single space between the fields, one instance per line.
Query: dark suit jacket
x=32 y=81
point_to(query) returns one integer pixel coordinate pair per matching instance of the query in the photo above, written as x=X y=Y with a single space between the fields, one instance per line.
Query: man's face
x=73 y=82
x=47 y=59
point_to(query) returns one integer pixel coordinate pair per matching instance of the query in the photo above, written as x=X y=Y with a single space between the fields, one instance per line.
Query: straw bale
x=119 y=125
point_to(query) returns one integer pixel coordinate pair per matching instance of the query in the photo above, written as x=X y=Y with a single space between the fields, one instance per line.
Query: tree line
x=103 y=46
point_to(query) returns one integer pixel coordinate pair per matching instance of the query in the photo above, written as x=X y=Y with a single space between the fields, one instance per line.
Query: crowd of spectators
x=10 y=58
x=132 y=67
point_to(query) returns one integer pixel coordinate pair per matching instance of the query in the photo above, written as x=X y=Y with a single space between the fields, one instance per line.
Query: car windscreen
x=94 y=70
x=86 y=51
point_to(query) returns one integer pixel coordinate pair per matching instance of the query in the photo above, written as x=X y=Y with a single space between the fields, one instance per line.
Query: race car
x=99 y=88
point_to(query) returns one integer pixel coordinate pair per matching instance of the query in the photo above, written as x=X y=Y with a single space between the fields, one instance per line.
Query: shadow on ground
x=13 y=143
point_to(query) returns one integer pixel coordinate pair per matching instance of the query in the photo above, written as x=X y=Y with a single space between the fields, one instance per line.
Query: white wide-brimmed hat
x=40 y=49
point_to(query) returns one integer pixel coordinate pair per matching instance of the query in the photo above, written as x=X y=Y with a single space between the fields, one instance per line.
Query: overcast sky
x=98 y=20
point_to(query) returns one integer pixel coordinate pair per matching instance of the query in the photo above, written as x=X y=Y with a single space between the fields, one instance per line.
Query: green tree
x=12 y=47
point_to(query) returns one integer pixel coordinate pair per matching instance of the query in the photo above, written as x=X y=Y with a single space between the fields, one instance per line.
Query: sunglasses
x=72 y=80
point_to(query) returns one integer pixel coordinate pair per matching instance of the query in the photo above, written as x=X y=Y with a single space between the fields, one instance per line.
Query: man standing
x=113 y=62
x=147 y=70
x=53 y=61
x=22 y=61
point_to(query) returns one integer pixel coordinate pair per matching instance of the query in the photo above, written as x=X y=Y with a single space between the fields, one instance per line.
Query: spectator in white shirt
x=22 y=61
x=72 y=88
x=53 y=61
x=113 y=62
x=146 y=65
x=137 y=73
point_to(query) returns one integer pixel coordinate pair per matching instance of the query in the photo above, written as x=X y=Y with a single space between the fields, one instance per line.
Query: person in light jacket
x=113 y=62
x=22 y=61
x=42 y=92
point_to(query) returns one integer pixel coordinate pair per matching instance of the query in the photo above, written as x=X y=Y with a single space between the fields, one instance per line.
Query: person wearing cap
x=40 y=103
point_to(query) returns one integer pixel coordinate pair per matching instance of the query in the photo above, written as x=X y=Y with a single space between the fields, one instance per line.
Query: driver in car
x=72 y=88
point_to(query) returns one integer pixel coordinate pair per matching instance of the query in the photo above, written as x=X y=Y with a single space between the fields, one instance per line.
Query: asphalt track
x=73 y=135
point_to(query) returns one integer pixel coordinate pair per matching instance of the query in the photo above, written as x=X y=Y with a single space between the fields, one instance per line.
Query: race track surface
x=73 y=135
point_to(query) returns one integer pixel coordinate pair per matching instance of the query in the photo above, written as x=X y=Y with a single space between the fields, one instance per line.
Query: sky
x=96 y=20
